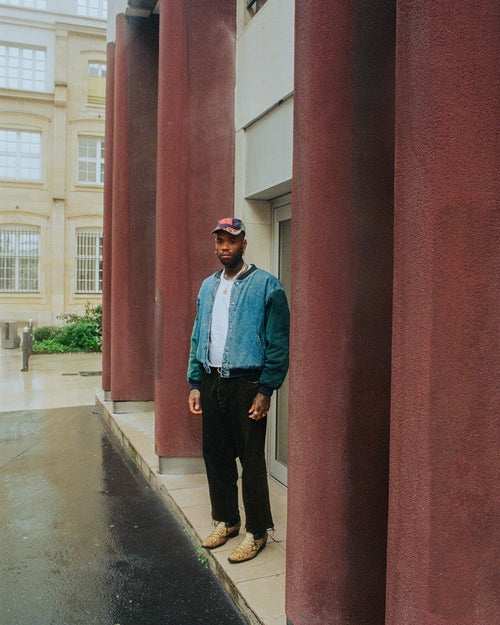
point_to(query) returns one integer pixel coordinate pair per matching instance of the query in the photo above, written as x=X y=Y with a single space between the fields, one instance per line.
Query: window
x=97 y=83
x=20 y=155
x=254 y=5
x=89 y=261
x=93 y=8
x=90 y=160
x=19 y=259
x=22 y=68
x=97 y=69
x=29 y=4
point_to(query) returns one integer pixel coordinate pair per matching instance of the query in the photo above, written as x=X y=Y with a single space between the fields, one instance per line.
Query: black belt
x=236 y=373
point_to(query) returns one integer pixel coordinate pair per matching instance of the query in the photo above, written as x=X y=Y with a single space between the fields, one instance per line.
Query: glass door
x=281 y=247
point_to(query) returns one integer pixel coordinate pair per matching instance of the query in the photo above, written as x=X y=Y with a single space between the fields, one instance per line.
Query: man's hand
x=260 y=407
x=194 y=401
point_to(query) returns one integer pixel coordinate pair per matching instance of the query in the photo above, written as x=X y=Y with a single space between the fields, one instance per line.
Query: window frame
x=18 y=232
x=84 y=9
x=100 y=65
x=17 y=72
x=40 y=5
x=21 y=157
x=253 y=6
x=98 y=161
x=96 y=79
x=89 y=261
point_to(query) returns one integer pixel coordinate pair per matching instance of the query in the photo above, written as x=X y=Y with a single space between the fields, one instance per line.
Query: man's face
x=229 y=248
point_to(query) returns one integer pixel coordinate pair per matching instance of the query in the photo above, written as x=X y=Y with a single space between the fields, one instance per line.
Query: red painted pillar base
x=133 y=215
x=444 y=551
x=341 y=313
x=195 y=188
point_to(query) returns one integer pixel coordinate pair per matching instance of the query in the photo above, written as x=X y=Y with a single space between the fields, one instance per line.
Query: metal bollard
x=27 y=345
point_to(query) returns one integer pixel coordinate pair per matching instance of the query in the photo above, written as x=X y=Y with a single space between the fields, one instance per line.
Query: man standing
x=239 y=355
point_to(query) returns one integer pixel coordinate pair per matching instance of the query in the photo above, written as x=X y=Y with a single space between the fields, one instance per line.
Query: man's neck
x=231 y=272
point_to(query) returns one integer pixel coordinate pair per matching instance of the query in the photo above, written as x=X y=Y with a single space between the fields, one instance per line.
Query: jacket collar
x=243 y=275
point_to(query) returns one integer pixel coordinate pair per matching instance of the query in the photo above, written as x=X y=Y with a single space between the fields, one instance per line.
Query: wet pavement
x=84 y=538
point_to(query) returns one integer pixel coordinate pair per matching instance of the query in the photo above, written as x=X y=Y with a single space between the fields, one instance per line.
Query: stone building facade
x=52 y=107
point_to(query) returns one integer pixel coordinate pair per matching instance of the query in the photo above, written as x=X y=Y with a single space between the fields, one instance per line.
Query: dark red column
x=341 y=312
x=107 y=220
x=444 y=552
x=133 y=219
x=195 y=188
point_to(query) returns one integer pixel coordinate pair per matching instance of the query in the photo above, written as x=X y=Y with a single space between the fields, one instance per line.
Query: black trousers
x=228 y=433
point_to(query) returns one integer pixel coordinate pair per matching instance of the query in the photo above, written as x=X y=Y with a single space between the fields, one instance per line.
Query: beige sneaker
x=220 y=535
x=248 y=548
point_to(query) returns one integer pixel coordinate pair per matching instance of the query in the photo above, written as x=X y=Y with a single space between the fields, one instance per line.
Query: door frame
x=281 y=210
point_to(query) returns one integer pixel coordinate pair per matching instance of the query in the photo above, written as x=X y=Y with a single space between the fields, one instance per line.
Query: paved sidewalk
x=257 y=586
x=52 y=381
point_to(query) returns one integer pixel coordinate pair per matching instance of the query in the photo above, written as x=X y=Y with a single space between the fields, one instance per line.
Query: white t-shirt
x=220 y=321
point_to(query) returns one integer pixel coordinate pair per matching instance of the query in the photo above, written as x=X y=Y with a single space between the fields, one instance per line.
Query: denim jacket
x=258 y=329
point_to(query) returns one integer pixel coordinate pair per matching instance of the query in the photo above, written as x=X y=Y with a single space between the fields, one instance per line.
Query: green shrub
x=91 y=316
x=78 y=336
x=50 y=346
x=81 y=333
x=45 y=333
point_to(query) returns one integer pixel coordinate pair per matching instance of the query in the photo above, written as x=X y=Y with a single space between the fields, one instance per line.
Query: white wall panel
x=269 y=148
x=264 y=61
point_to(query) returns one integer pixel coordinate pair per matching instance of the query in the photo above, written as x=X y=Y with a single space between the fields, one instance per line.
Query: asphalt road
x=84 y=538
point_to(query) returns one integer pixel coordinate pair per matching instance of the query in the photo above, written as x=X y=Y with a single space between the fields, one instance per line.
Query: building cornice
x=50 y=21
x=81 y=29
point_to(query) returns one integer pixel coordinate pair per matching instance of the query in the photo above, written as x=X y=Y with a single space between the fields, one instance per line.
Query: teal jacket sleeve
x=195 y=368
x=277 y=330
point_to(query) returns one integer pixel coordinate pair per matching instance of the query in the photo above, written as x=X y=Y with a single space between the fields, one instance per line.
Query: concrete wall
x=264 y=61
